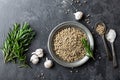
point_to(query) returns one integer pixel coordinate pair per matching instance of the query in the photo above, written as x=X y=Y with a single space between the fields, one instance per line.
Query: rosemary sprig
x=86 y=45
x=17 y=43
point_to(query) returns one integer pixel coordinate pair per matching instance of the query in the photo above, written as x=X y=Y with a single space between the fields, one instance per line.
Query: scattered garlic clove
x=78 y=15
x=48 y=63
x=39 y=52
x=34 y=59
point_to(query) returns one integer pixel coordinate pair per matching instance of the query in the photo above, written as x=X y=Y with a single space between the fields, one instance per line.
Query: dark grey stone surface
x=44 y=15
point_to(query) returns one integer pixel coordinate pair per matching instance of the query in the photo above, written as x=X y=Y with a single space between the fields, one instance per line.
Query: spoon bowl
x=100 y=23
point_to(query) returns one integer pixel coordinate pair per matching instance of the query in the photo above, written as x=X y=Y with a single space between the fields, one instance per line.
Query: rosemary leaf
x=17 y=43
x=86 y=45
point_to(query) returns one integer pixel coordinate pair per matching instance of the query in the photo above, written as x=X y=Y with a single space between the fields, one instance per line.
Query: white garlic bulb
x=34 y=59
x=39 y=52
x=78 y=15
x=48 y=63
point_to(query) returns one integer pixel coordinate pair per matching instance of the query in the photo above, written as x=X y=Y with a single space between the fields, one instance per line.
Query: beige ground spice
x=67 y=44
x=100 y=29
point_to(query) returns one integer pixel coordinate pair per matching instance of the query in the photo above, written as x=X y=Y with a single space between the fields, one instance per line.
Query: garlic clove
x=48 y=63
x=39 y=52
x=78 y=15
x=34 y=59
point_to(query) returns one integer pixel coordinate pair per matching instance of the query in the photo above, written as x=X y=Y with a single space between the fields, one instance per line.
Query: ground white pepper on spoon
x=111 y=36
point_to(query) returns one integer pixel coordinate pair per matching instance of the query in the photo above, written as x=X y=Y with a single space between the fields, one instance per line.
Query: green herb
x=17 y=43
x=89 y=52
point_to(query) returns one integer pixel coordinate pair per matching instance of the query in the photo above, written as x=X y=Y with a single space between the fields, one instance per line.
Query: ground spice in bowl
x=67 y=44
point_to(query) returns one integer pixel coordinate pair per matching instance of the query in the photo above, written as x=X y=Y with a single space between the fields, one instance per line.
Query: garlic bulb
x=39 y=52
x=48 y=63
x=78 y=15
x=34 y=59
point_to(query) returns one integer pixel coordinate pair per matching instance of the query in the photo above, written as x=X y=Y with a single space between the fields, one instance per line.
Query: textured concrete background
x=44 y=15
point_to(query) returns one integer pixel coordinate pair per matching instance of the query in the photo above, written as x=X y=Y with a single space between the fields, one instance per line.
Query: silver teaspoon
x=101 y=29
x=111 y=36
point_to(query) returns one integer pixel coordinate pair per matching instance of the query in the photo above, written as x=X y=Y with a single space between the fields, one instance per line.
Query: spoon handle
x=106 y=49
x=114 y=56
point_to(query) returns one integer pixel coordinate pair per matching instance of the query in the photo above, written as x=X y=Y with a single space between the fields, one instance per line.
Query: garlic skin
x=48 y=63
x=34 y=59
x=78 y=15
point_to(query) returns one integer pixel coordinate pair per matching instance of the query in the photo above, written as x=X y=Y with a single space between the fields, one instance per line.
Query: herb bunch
x=17 y=43
x=86 y=45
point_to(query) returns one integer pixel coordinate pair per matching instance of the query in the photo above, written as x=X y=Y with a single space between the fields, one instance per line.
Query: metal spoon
x=111 y=36
x=104 y=41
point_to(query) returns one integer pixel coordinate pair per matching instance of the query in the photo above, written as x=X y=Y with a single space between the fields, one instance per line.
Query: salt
x=111 y=35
